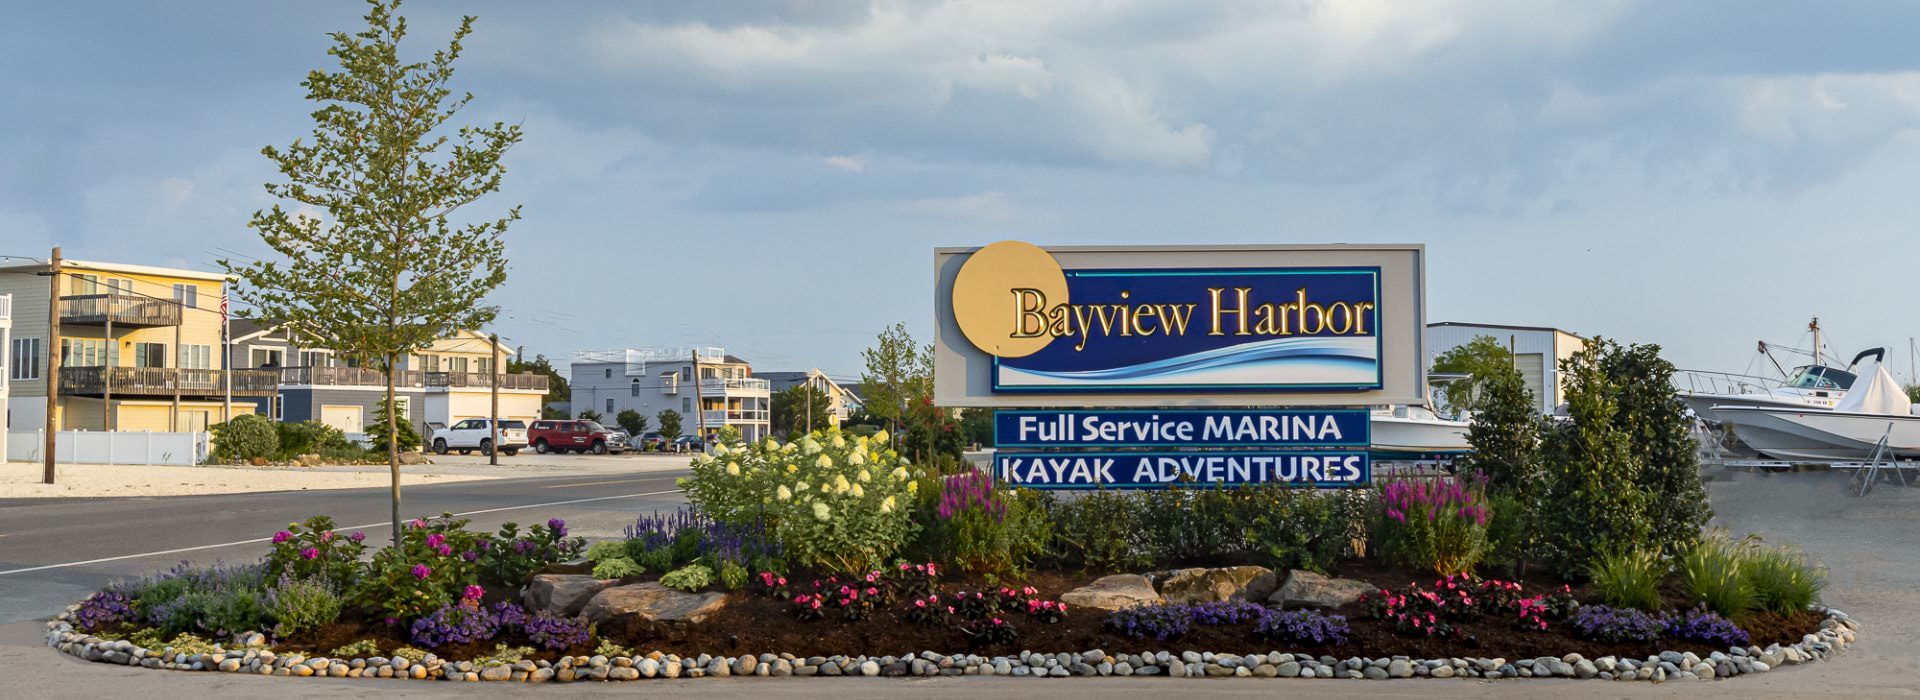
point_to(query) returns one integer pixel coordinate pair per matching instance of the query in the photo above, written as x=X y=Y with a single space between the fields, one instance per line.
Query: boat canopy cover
x=1879 y=393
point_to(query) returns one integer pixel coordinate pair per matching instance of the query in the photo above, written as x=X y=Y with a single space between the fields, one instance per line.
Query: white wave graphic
x=1281 y=361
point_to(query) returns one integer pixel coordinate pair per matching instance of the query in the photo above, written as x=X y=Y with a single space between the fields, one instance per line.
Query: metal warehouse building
x=1537 y=351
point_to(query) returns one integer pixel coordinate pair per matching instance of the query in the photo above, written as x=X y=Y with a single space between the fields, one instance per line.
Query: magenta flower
x=435 y=540
x=474 y=592
x=282 y=536
x=417 y=523
x=309 y=553
x=421 y=571
x=357 y=537
x=326 y=536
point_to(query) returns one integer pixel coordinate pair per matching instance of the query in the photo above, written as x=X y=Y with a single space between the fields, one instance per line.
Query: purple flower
x=435 y=540
x=444 y=550
x=282 y=536
x=309 y=553
x=470 y=555
x=421 y=571
x=357 y=537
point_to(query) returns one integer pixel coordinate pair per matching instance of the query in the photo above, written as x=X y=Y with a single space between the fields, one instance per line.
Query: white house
x=653 y=380
x=6 y=361
x=1537 y=352
x=841 y=401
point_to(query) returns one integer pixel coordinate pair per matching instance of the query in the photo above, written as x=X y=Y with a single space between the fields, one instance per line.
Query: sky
x=771 y=176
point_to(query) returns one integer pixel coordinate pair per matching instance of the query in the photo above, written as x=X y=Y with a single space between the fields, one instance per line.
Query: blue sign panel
x=1038 y=428
x=1154 y=470
x=1197 y=330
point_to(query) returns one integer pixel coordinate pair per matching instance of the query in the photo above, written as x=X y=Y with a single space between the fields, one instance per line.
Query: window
x=466 y=425
x=403 y=407
x=609 y=372
x=266 y=357
x=84 y=284
x=483 y=365
x=429 y=363
x=633 y=389
x=609 y=405
x=82 y=352
x=196 y=356
x=457 y=365
x=188 y=295
x=26 y=359
x=686 y=406
x=316 y=358
x=149 y=355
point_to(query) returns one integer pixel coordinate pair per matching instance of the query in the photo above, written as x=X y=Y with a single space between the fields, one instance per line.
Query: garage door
x=1533 y=369
x=346 y=419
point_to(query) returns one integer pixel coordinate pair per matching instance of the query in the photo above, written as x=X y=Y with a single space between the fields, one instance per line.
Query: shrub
x=606 y=549
x=414 y=654
x=216 y=600
x=1195 y=524
x=313 y=549
x=616 y=567
x=1591 y=491
x=301 y=604
x=609 y=649
x=832 y=503
x=310 y=437
x=1505 y=432
x=356 y=650
x=510 y=558
x=247 y=436
x=1615 y=625
x=1661 y=438
x=1628 y=579
x=1301 y=627
x=1711 y=574
x=1699 y=625
x=994 y=631
x=1291 y=528
x=403 y=432
x=503 y=655
x=1781 y=579
x=1096 y=531
x=437 y=559
x=1161 y=622
x=1438 y=524
x=986 y=528
x=732 y=575
x=691 y=577
x=665 y=542
x=1509 y=530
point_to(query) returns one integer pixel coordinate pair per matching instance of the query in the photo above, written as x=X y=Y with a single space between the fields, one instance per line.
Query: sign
x=1019 y=325
x=1233 y=428
x=1143 y=470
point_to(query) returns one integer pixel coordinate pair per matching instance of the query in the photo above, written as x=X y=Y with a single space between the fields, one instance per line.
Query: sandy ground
x=23 y=479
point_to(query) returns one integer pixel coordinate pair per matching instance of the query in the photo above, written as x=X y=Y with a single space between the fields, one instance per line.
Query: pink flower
x=326 y=536
x=435 y=540
x=357 y=537
x=309 y=553
x=420 y=571
x=474 y=592
x=417 y=523
x=282 y=536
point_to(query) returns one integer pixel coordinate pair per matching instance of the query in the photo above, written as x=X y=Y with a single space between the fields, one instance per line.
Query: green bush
x=311 y=437
x=616 y=568
x=215 y=600
x=1291 y=528
x=428 y=571
x=247 y=436
x=689 y=578
x=606 y=549
x=315 y=549
x=1509 y=531
x=1192 y=525
x=1628 y=579
x=299 y=605
x=377 y=439
x=733 y=575
x=1782 y=580
x=356 y=650
x=1096 y=531
x=983 y=527
x=1438 y=524
x=1660 y=433
x=1505 y=432
x=1591 y=491
x=1711 y=574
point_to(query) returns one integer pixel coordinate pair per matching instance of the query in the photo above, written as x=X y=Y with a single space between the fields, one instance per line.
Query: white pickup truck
x=475 y=434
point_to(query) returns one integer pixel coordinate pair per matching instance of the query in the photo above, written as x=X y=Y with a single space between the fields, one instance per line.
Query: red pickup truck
x=575 y=436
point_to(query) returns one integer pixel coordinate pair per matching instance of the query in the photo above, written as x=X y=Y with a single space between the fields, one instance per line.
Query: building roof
x=123 y=268
x=1505 y=327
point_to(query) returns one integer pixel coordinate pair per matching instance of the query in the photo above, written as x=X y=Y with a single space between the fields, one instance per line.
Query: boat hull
x=1823 y=436
x=1396 y=438
x=1707 y=406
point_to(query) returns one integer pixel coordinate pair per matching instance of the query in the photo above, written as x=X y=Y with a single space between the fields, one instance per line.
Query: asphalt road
x=53 y=552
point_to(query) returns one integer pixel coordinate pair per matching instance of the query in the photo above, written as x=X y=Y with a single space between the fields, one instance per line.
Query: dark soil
x=756 y=623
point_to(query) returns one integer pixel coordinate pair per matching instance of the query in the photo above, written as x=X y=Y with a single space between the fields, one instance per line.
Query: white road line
x=604 y=483
x=368 y=526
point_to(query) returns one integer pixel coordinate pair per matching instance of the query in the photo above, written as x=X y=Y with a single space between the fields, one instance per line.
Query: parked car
x=576 y=436
x=689 y=443
x=651 y=441
x=477 y=434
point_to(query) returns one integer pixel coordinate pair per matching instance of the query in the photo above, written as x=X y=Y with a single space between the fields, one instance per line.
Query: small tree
x=800 y=409
x=385 y=423
x=899 y=373
x=976 y=425
x=1505 y=433
x=1479 y=359
x=631 y=421
x=383 y=270
x=1592 y=497
x=1660 y=432
x=558 y=391
x=669 y=424
x=590 y=414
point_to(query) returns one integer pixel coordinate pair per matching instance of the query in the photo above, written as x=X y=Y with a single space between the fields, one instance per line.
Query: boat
x=1815 y=386
x=1416 y=434
x=1851 y=431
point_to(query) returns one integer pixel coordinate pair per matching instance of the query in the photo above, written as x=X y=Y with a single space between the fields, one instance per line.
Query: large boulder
x=563 y=594
x=1253 y=583
x=1116 y=592
x=652 y=602
x=1305 y=589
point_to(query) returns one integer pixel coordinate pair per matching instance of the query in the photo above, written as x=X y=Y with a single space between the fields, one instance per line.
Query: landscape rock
x=1116 y=592
x=1306 y=589
x=564 y=595
x=1253 y=583
x=652 y=602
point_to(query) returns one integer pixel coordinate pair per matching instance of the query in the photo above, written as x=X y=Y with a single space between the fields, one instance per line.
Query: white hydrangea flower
x=800 y=486
x=886 y=506
x=865 y=476
x=809 y=447
x=859 y=492
x=857 y=458
x=822 y=512
x=825 y=462
x=784 y=494
x=733 y=469
x=720 y=450
x=839 y=442
x=840 y=484
x=880 y=436
x=899 y=473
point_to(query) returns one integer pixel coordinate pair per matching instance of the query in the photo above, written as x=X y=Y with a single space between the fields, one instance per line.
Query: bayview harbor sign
x=1145 y=367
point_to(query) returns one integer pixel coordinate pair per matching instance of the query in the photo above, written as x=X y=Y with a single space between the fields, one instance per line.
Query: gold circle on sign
x=990 y=289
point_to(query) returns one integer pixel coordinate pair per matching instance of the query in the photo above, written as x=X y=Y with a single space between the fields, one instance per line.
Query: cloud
x=852 y=164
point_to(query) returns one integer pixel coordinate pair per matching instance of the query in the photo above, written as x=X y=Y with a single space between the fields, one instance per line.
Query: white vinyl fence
x=95 y=447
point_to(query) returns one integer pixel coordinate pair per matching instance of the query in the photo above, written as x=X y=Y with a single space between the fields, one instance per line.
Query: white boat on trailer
x=1875 y=408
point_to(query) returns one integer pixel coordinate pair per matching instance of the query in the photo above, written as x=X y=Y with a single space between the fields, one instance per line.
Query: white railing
x=715 y=386
x=6 y=307
x=98 y=447
x=740 y=415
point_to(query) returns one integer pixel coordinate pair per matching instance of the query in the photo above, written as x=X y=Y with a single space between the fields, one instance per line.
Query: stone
x=652 y=602
x=1116 y=592
x=496 y=673
x=870 y=668
x=1584 y=669
x=564 y=595
x=413 y=457
x=1290 y=669
x=1253 y=583
x=1399 y=668
x=1443 y=672
x=1306 y=589
x=1377 y=673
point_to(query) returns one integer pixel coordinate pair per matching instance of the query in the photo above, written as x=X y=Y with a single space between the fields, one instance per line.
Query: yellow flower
x=865 y=476
x=826 y=488
x=899 y=473
x=859 y=492
x=822 y=512
x=825 y=462
x=783 y=494
x=791 y=469
x=840 y=484
x=733 y=469
x=857 y=458
x=839 y=442
x=886 y=506
x=720 y=450
x=880 y=436
x=913 y=487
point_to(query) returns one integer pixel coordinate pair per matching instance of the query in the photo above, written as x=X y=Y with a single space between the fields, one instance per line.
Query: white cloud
x=852 y=164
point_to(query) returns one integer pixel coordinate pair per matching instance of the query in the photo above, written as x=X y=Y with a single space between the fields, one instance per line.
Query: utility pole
x=106 y=372
x=700 y=400
x=53 y=363
x=493 y=374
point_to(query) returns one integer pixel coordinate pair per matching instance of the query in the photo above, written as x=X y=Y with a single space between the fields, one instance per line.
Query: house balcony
x=738 y=415
x=166 y=382
x=348 y=376
x=119 y=309
x=735 y=387
x=517 y=381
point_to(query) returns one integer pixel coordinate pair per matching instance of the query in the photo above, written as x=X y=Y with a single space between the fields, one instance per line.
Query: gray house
x=650 y=381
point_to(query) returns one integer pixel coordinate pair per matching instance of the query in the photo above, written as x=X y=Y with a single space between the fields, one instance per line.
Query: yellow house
x=139 y=348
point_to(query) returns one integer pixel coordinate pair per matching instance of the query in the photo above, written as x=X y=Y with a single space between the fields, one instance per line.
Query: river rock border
x=252 y=657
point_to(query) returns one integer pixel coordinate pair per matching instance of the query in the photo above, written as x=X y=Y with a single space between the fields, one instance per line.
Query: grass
x=1628 y=579
x=1712 y=574
x=1782 y=580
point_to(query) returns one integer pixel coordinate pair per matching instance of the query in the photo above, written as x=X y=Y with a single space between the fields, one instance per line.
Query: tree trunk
x=393 y=445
